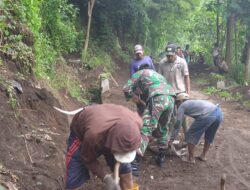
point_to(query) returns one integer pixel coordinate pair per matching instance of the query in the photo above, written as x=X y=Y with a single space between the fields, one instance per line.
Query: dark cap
x=171 y=49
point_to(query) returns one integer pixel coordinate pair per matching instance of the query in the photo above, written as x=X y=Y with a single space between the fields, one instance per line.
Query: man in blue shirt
x=139 y=60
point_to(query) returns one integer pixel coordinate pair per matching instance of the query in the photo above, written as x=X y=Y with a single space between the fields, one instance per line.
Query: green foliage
x=29 y=13
x=58 y=19
x=217 y=77
x=46 y=57
x=62 y=80
x=202 y=81
x=221 y=93
x=225 y=94
x=237 y=73
x=76 y=92
x=202 y=28
x=13 y=46
x=11 y=93
x=242 y=9
x=12 y=99
x=105 y=75
x=96 y=57
x=53 y=27
x=210 y=90
x=124 y=56
x=116 y=27
x=23 y=54
x=237 y=96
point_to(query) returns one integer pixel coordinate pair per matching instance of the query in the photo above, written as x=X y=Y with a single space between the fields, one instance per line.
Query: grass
x=202 y=81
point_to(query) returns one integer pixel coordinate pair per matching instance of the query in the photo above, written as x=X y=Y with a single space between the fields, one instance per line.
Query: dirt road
x=36 y=132
x=230 y=153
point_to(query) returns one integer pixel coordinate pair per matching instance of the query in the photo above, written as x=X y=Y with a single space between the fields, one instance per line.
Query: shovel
x=178 y=153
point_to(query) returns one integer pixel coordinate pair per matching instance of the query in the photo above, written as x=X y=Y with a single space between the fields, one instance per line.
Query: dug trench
x=33 y=142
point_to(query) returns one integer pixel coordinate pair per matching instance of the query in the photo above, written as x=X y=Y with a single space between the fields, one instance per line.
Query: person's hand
x=110 y=183
x=137 y=100
x=170 y=142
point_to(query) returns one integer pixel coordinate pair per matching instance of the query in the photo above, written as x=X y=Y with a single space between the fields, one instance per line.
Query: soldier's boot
x=161 y=157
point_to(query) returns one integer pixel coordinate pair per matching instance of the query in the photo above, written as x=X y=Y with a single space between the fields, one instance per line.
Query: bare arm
x=187 y=84
x=178 y=124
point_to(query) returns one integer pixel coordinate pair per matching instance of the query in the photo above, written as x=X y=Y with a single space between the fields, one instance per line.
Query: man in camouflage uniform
x=159 y=104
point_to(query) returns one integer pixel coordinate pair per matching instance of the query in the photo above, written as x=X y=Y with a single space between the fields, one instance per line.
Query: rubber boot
x=126 y=181
x=161 y=157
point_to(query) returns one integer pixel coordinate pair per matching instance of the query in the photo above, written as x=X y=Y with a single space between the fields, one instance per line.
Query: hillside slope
x=32 y=136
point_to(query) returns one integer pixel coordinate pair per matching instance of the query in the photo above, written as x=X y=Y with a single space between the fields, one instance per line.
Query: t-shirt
x=136 y=63
x=194 y=109
x=174 y=73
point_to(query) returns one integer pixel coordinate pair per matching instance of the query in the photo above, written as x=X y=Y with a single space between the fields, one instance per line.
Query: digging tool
x=222 y=182
x=116 y=172
x=178 y=153
x=68 y=112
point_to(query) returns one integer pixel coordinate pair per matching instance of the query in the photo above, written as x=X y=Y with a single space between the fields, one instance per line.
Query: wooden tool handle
x=222 y=182
x=116 y=172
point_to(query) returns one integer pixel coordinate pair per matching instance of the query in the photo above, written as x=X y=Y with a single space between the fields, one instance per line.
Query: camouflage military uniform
x=159 y=103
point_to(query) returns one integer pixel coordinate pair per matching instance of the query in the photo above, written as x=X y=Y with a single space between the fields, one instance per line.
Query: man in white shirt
x=175 y=70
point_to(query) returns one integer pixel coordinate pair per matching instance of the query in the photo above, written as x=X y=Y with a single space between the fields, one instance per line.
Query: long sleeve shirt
x=149 y=82
x=136 y=63
x=104 y=129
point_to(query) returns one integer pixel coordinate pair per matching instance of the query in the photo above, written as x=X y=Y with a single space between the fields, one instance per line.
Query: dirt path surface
x=33 y=141
x=228 y=155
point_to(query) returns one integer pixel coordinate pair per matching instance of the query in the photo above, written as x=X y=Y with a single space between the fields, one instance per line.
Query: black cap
x=171 y=49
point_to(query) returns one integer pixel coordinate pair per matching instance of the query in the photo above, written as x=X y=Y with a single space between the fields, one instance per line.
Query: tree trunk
x=247 y=70
x=229 y=39
x=90 y=8
x=217 y=24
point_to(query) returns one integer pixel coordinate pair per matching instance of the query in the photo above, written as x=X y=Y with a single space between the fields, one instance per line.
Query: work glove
x=110 y=183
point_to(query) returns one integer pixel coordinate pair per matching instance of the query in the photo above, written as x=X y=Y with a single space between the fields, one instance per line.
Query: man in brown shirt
x=109 y=130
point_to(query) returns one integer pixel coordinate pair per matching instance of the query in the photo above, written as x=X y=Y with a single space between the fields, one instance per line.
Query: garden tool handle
x=116 y=172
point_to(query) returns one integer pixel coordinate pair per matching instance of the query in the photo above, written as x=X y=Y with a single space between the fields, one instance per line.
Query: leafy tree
x=240 y=9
